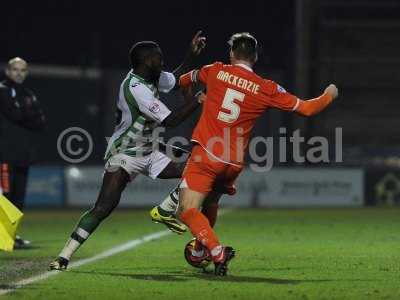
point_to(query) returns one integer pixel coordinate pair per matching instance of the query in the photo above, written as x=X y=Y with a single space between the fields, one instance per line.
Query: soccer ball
x=189 y=258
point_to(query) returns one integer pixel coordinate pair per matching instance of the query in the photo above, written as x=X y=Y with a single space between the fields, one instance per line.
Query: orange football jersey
x=236 y=97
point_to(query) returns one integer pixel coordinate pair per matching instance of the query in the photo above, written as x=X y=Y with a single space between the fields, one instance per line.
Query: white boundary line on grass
x=108 y=253
x=113 y=251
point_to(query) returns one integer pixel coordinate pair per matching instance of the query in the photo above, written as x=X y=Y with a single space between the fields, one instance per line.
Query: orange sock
x=200 y=228
x=210 y=212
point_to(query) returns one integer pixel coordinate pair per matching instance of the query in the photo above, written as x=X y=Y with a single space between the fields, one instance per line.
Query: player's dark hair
x=140 y=51
x=244 y=46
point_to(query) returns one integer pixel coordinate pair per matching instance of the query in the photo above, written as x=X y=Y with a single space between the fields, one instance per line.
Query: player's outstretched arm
x=196 y=46
x=182 y=113
x=313 y=106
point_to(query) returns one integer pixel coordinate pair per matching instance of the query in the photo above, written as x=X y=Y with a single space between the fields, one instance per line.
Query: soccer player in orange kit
x=236 y=97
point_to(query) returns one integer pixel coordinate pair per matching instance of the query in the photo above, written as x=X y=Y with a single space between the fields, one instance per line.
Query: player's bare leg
x=165 y=213
x=189 y=203
x=110 y=194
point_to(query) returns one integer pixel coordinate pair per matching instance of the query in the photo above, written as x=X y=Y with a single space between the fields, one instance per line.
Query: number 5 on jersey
x=229 y=104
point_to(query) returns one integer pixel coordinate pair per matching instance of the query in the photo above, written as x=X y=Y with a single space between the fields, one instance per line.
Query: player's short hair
x=140 y=51
x=244 y=46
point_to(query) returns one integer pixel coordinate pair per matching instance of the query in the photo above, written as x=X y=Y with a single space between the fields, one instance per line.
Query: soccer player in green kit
x=130 y=149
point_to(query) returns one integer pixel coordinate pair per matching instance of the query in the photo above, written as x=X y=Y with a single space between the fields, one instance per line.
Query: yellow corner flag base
x=10 y=217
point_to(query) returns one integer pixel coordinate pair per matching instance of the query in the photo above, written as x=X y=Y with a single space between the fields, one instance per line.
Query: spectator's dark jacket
x=21 y=117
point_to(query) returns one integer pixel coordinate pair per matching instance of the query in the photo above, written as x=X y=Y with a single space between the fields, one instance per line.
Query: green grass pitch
x=281 y=254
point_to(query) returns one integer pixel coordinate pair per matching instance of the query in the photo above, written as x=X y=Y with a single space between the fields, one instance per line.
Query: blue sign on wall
x=45 y=187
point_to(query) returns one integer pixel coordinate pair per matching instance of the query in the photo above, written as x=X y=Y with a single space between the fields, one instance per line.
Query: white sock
x=70 y=248
x=216 y=250
x=78 y=237
x=170 y=204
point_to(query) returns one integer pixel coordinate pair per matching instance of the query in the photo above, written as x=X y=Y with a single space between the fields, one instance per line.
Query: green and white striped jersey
x=141 y=112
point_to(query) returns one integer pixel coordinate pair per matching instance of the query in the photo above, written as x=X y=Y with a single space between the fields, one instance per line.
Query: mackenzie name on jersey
x=238 y=81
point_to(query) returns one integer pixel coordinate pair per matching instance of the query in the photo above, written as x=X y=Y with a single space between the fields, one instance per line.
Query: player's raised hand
x=332 y=90
x=201 y=97
x=198 y=43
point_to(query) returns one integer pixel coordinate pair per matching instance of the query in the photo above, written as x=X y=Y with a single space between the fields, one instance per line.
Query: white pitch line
x=115 y=250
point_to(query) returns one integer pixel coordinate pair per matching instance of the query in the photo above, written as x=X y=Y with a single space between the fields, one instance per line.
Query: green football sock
x=86 y=226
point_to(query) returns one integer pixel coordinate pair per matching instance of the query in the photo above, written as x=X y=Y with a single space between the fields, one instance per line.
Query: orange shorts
x=204 y=173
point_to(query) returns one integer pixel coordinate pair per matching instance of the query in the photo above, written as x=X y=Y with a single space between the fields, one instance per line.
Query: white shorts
x=150 y=165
